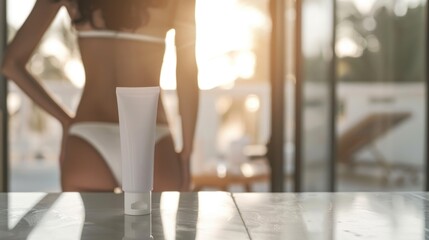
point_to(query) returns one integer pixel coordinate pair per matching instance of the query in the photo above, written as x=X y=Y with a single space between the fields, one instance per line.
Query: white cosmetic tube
x=137 y=109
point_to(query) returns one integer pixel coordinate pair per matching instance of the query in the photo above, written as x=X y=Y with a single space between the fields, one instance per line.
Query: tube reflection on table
x=138 y=227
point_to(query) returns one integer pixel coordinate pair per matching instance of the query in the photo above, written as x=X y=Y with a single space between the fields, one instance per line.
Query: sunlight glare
x=224 y=48
x=55 y=47
x=37 y=66
x=14 y=102
x=400 y=9
x=221 y=170
x=225 y=42
x=347 y=47
x=223 y=104
x=369 y=23
x=20 y=10
x=247 y=170
x=75 y=71
x=245 y=63
x=168 y=73
x=252 y=103
x=364 y=6
x=169 y=206
x=19 y=206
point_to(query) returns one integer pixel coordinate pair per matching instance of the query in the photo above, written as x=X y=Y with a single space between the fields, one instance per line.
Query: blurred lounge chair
x=364 y=134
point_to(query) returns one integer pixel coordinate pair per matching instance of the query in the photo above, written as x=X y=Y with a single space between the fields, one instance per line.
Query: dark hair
x=117 y=14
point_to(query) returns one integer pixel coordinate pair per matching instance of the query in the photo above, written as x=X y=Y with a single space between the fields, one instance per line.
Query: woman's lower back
x=111 y=63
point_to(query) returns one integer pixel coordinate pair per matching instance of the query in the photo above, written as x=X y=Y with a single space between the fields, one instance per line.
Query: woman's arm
x=21 y=49
x=187 y=76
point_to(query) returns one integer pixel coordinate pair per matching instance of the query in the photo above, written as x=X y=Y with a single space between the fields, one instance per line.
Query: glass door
x=314 y=104
x=360 y=85
x=381 y=82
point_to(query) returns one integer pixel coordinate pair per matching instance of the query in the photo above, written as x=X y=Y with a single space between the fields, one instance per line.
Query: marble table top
x=217 y=215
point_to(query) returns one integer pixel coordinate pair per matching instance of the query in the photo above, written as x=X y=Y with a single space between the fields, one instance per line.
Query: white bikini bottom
x=104 y=137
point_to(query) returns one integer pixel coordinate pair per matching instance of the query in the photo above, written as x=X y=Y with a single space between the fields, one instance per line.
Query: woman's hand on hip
x=65 y=126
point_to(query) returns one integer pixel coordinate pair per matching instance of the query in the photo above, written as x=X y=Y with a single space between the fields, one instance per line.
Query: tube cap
x=137 y=203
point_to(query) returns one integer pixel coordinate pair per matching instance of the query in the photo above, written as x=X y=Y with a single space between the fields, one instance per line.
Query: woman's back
x=119 y=58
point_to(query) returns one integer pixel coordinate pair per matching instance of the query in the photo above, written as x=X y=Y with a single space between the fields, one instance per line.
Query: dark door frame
x=426 y=142
x=333 y=105
x=4 y=153
x=277 y=71
x=298 y=138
